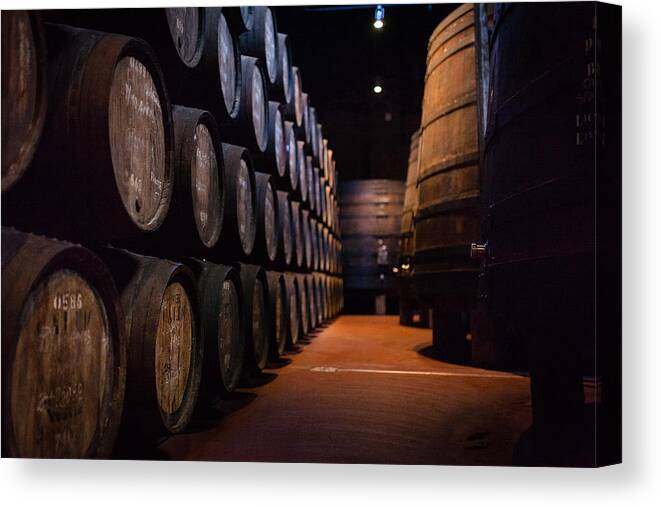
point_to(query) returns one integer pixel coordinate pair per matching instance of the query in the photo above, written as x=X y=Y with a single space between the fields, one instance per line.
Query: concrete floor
x=364 y=390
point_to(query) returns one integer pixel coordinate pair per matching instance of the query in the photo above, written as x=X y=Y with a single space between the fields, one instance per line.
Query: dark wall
x=341 y=56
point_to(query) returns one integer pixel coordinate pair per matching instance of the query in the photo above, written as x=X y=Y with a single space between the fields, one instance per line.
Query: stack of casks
x=371 y=212
x=413 y=310
x=184 y=173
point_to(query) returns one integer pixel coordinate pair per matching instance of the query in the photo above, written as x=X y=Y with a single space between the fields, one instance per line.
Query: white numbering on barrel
x=59 y=381
x=184 y=23
x=227 y=64
x=173 y=351
x=258 y=330
x=245 y=217
x=19 y=91
x=270 y=231
x=279 y=148
x=258 y=107
x=137 y=140
x=204 y=175
x=228 y=327
x=269 y=42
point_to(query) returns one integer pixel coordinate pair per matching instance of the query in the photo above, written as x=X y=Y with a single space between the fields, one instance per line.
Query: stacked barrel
x=371 y=212
x=184 y=172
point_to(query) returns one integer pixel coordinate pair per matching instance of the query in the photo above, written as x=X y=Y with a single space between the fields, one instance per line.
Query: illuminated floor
x=360 y=391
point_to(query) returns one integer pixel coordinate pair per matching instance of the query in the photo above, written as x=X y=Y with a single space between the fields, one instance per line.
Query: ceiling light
x=377 y=89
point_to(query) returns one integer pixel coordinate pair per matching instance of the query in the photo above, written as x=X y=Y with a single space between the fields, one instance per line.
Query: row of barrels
x=500 y=231
x=106 y=106
x=110 y=349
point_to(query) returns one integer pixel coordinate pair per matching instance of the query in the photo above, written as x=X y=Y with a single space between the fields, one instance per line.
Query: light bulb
x=378 y=24
x=377 y=89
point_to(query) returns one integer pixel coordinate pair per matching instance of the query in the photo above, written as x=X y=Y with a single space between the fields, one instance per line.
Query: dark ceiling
x=341 y=57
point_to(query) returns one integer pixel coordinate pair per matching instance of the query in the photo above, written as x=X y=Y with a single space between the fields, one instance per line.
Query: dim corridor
x=362 y=390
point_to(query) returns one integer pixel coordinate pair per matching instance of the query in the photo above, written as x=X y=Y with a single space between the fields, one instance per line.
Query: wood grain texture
x=137 y=140
x=186 y=27
x=174 y=345
x=23 y=92
x=60 y=365
x=245 y=211
x=206 y=186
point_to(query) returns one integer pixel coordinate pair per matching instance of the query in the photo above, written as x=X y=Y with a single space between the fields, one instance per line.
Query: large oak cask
x=109 y=134
x=297 y=235
x=221 y=327
x=274 y=160
x=284 y=86
x=291 y=184
x=240 y=19
x=63 y=350
x=24 y=94
x=371 y=213
x=256 y=317
x=448 y=177
x=164 y=361
x=294 y=109
x=553 y=184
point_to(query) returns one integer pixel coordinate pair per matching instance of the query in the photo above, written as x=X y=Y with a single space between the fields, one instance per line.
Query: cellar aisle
x=363 y=390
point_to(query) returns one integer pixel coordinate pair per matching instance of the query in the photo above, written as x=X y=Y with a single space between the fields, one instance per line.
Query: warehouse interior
x=320 y=234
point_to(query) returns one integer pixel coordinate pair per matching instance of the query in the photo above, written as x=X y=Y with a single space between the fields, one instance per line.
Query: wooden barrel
x=305 y=132
x=274 y=160
x=195 y=217
x=448 y=178
x=62 y=395
x=323 y=162
x=301 y=170
x=323 y=199
x=314 y=134
x=284 y=89
x=303 y=305
x=297 y=235
x=240 y=19
x=24 y=96
x=371 y=214
x=294 y=109
x=321 y=300
x=256 y=315
x=285 y=239
x=252 y=126
x=278 y=314
x=239 y=223
x=312 y=300
x=291 y=183
x=546 y=249
x=221 y=327
x=267 y=221
x=312 y=198
x=319 y=141
x=307 y=239
x=293 y=309
x=108 y=97
x=160 y=305
x=410 y=201
x=261 y=41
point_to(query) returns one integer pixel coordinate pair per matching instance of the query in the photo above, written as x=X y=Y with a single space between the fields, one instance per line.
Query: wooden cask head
x=293 y=309
x=139 y=126
x=186 y=26
x=284 y=82
x=23 y=91
x=278 y=306
x=199 y=160
x=256 y=317
x=295 y=107
x=267 y=220
x=302 y=171
x=285 y=240
x=274 y=160
x=303 y=305
x=307 y=127
x=292 y=168
x=314 y=132
x=64 y=351
x=253 y=111
x=239 y=227
x=229 y=67
x=297 y=234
